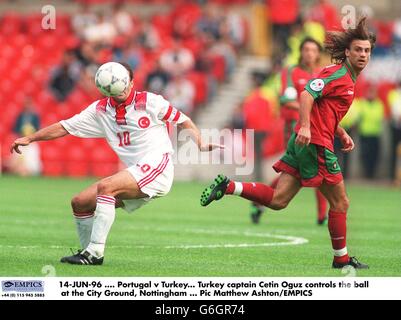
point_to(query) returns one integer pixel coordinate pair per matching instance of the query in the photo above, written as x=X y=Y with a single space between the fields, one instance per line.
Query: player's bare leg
x=339 y=203
x=109 y=193
x=83 y=208
x=276 y=199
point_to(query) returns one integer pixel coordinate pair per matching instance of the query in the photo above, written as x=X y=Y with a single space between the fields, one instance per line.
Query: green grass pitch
x=175 y=236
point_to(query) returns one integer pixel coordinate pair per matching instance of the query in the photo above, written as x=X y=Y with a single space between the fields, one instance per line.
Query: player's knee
x=345 y=203
x=342 y=204
x=77 y=204
x=278 y=204
x=105 y=188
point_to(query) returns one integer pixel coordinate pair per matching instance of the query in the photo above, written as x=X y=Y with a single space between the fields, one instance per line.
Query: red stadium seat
x=77 y=169
x=49 y=151
x=103 y=169
x=52 y=168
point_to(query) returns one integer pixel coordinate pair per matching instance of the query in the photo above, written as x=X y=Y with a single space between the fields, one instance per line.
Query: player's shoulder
x=149 y=99
x=330 y=70
x=99 y=105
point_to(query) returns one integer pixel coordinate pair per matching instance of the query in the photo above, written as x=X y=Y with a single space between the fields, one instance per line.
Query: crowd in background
x=183 y=53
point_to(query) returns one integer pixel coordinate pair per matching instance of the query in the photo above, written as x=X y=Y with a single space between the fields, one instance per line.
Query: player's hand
x=24 y=141
x=303 y=137
x=347 y=142
x=211 y=146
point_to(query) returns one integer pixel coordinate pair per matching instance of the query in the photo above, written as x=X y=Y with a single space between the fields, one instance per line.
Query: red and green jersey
x=293 y=81
x=333 y=91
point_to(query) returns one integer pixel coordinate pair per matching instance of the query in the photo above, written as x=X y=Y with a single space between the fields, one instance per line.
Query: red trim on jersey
x=168 y=114
x=101 y=105
x=120 y=114
x=140 y=100
x=114 y=103
x=177 y=116
x=155 y=172
x=121 y=107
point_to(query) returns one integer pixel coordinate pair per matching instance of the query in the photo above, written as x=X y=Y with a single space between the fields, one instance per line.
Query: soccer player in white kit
x=134 y=125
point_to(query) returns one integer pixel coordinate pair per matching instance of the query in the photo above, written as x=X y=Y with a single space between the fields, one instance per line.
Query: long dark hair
x=338 y=41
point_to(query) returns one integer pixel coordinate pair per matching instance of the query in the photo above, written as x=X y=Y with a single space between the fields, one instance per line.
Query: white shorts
x=154 y=175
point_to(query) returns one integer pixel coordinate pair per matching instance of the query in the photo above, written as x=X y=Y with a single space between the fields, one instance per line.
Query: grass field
x=175 y=236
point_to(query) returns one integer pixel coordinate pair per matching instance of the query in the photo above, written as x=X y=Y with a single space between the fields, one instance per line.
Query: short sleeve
x=84 y=124
x=323 y=85
x=315 y=87
x=164 y=111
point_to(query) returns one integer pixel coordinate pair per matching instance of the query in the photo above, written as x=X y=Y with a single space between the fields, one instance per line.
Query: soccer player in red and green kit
x=309 y=160
x=293 y=81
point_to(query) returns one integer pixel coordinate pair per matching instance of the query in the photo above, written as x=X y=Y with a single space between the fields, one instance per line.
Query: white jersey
x=133 y=129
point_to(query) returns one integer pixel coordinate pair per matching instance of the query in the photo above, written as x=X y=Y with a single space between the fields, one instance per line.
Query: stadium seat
x=77 y=168
x=52 y=168
x=103 y=169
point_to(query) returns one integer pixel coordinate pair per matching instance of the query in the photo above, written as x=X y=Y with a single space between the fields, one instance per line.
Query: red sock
x=321 y=205
x=230 y=188
x=338 y=234
x=257 y=192
x=275 y=182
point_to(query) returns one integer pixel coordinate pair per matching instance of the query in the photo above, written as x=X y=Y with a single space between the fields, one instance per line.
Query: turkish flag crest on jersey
x=144 y=122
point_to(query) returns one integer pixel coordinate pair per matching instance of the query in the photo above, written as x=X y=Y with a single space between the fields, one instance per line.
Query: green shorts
x=312 y=164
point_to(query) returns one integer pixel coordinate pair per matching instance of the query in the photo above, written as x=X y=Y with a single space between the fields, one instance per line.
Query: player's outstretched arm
x=49 y=133
x=306 y=103
x=189 y=125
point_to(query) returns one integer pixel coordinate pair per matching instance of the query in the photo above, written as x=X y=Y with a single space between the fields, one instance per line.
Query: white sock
x=84 y=223
x=238 y=188
x=340 y=252
x=104 y=218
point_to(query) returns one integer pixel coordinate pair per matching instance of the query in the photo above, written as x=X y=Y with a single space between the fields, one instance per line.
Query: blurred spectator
x=384 y=34
x=370 y=127
x=103 y=32
x=223 y=48
x=282 y=14
x=83 y=19
x=28 y=163
x=132 y=53
x=157 y=80
x=397 y=36
x=394 y=99
x=148 y=36
x=177 y=60
x=260 y=114
x=235 y=28
x=64 y=77
x=181 y=93
x=86 y=54
x=210 y=21
x=121 y=19
x=28 y=120
x=326 y=14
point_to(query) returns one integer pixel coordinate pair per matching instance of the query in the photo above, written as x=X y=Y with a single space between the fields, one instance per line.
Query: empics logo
x=22 y=286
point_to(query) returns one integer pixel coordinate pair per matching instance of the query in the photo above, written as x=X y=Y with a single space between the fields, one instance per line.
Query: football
x=112 y=79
